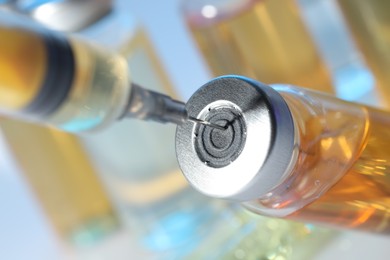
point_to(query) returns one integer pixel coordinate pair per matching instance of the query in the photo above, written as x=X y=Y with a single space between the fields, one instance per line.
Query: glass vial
x=369 y=22
x=290 y=153
x=266 y=40
x=63 y=180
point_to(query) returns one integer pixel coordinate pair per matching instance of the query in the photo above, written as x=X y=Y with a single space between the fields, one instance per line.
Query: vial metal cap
x=252 y=155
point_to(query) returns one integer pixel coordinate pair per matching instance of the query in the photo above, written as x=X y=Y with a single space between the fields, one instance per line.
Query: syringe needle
x=149 y=105
x=206 y=123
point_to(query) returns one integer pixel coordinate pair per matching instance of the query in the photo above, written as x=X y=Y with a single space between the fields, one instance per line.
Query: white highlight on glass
x=209 y=11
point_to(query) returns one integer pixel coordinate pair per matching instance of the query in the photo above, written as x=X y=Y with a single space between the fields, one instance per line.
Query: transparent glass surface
x=340 y=177
x=98 y=94
x=266 y=40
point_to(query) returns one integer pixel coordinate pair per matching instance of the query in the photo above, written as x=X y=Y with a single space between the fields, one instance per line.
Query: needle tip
x=206 y=123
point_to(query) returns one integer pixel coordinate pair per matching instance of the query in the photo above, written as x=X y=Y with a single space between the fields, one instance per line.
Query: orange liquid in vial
x=360 y=199
x=369 y=22
x=266 y=40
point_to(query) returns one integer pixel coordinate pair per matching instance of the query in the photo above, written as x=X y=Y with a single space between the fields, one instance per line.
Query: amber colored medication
x=302 y=155
x=266 y=40
x=361 y=198
x=369 y=22
x=345 y=144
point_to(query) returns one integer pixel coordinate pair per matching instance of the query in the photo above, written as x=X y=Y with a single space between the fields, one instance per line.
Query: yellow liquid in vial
x=361 y=198
x=267 y=41
x=369 y=22
x=63 y=180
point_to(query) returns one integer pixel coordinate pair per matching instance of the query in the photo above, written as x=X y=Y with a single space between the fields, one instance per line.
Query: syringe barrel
x=65 y=82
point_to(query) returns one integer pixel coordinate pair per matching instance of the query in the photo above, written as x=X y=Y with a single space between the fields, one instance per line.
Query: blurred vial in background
x=263 y=39
x=351 y=77
x=64 y=181
x=369 y=22
x=59 y=172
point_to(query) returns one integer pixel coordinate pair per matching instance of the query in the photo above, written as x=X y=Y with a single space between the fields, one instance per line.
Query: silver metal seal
x=247 y=158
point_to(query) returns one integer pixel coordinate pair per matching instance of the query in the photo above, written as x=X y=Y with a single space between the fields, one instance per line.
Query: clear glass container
x=266 y=40
x=301 y=155
x=340 y=175
x=369 y=23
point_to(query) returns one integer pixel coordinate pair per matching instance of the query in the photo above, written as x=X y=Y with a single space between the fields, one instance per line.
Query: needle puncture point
x=206 y=123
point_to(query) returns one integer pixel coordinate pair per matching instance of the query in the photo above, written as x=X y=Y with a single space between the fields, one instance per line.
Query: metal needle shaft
x=206 y=123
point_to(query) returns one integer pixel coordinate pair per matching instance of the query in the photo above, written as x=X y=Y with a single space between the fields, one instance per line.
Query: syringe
x=74 y=85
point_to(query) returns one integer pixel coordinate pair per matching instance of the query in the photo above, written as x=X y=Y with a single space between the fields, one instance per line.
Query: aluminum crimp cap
x=252 y=155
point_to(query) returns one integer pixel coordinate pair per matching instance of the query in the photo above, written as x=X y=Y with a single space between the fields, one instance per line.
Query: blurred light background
x=158 y=223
